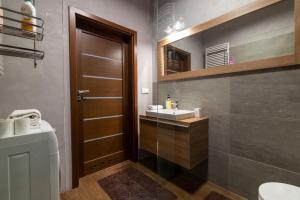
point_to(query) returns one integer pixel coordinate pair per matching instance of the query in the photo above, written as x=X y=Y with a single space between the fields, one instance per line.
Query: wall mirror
x=262 y=34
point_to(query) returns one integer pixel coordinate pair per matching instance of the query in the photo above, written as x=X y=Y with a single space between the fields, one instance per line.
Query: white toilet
x=278 y=191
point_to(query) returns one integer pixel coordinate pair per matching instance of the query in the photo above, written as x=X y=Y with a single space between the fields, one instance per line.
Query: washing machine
x=29 y=165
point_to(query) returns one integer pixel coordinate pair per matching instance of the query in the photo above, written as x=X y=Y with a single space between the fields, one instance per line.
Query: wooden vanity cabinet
x=148 y=135
x=183 y=142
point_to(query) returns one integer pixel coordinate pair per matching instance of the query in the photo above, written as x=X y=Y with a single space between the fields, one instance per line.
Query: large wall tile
x=219 y=132
x=273 y=94
x=245 y=176
x=270 y=140
x=264 y=48
x=211 y=94
x=218 y=168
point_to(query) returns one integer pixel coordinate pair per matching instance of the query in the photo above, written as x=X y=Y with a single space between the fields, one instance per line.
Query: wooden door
x=102 y=100
x=117 y=35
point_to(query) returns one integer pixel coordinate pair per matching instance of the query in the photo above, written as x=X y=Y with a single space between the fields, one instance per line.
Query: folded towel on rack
x=34 y=115
x=1 y=57
x=155 y=107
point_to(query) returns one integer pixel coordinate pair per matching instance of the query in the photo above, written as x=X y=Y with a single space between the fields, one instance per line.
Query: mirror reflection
x=263 y=34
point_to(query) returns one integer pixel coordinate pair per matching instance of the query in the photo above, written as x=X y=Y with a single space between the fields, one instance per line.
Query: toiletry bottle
x=28 y=9
x=1 y=19
x=168 y=102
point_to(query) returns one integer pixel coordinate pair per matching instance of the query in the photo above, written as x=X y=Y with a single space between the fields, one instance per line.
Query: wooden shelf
x=278 y=62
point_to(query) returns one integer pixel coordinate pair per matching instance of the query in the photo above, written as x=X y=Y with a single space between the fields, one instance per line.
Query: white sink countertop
x=171 y=114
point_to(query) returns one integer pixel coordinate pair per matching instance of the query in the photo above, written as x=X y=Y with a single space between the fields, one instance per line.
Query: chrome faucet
x=175 y=106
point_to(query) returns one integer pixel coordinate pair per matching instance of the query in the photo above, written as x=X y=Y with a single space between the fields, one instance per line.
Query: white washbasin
x=171 y=114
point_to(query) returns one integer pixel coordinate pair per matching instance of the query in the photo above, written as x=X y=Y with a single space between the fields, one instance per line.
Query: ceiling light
x=168 y=30
x=179 y=24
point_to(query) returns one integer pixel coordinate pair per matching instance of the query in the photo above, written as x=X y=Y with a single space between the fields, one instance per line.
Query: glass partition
x=231 y=147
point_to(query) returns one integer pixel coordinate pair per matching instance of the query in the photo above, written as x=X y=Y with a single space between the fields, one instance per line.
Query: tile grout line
x=264 y=164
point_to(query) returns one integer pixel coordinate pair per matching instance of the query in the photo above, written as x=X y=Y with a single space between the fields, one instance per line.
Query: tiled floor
x=90 y=190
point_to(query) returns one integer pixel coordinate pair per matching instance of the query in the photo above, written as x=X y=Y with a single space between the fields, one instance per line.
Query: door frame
x=77 y=16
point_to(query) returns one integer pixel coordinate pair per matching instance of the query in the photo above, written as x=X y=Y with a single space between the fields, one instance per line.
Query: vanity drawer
x=174 y=144
x=182 y=142
x=148 y=135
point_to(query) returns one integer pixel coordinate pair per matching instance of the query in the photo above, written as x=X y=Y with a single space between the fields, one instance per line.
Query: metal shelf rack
x=8 y=50
x=11 y=25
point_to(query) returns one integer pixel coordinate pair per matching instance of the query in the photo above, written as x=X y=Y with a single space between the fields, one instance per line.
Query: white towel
x=34 y=115
x=155 y=107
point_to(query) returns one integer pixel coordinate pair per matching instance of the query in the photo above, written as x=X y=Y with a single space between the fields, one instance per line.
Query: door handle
x=82 y=91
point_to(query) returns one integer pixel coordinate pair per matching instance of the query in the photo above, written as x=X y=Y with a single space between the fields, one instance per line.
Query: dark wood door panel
x=102 y=127
x=102 y=107
x=99 y=148
x=101 y=50
x=102 y=87
x=101 y=47
x=103 y=162
x=101 y=67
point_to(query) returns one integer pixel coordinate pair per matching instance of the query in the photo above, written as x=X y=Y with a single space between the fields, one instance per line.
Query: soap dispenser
x=168 y=102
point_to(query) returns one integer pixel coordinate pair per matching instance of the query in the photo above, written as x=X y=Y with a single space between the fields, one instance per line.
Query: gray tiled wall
x=265 y=48
x=254 y=125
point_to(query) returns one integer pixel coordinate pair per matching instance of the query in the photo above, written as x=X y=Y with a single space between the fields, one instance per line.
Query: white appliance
x=29 y=165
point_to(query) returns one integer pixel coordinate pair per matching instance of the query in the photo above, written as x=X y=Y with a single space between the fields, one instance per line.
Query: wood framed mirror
x=260 y=35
